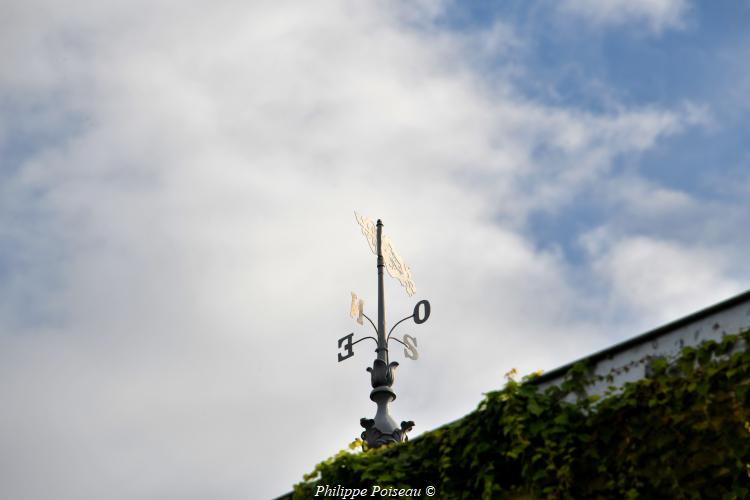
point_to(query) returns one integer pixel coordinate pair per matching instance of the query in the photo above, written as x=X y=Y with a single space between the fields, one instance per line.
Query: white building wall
x=629 y=363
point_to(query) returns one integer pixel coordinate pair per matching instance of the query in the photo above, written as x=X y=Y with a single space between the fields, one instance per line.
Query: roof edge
x=645 y=337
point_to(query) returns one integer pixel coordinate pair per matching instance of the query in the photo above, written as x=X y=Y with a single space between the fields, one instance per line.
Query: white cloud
x=639 y=198
x=567 y=151
x=659 y=279
x=190 y=243
x=657 y=14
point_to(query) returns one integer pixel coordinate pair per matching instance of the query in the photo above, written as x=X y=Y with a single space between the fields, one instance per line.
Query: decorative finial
x=383 y=429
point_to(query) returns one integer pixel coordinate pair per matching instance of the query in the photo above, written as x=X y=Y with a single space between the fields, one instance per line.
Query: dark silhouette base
x=373 y=437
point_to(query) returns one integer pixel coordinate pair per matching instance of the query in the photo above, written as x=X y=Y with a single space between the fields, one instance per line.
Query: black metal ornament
x=383 y=429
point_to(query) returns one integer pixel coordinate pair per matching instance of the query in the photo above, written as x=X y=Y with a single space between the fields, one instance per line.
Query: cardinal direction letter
x=410 y=349
x=357 y=309
x=347 y=345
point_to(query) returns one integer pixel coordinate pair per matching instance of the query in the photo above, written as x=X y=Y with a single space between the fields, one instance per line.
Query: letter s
x=411 y=345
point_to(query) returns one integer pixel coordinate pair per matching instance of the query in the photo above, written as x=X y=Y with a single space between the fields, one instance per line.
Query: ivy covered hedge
x=681 y=433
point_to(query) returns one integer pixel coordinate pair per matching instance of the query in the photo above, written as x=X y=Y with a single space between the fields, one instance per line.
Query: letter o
x=417 y=319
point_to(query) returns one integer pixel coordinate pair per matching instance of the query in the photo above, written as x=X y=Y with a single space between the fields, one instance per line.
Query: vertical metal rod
x=382 y=345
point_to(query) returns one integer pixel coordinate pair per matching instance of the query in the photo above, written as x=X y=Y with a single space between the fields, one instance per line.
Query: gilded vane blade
x=368 y=229
x=397 y=268
x=394 y=264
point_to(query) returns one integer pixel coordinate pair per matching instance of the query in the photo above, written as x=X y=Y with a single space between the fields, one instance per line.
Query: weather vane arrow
x=383 y=248
x=383 y=429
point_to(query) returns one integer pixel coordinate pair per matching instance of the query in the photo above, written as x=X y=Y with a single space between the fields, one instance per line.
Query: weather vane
x=383 y=429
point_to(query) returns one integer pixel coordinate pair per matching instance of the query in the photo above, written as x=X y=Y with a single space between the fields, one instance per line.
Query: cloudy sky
x=177 y=236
